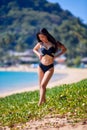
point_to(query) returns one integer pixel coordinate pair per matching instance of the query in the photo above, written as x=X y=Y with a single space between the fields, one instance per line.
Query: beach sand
x=73 y=75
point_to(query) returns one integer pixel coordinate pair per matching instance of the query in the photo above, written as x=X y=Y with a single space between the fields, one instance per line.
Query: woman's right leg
x=40 y=75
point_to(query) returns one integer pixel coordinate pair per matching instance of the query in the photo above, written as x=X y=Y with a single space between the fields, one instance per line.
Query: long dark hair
x=49 y=37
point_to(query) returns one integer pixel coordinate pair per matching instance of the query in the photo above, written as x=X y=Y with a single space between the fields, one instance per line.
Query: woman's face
x=43 y=38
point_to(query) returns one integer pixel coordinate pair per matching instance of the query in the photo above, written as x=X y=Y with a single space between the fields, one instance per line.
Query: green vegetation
x=69 y=100
x=21 y=19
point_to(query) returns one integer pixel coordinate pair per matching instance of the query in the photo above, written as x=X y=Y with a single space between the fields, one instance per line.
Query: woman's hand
x=63 y=50
x=40 y=56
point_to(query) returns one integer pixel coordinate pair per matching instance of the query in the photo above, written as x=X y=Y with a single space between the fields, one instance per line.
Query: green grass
x=69 y=100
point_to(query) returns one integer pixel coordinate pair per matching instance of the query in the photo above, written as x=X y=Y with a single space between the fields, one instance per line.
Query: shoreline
x=73 y=75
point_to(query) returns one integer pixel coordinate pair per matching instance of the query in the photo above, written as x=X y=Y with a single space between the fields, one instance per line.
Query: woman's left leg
x=47 y=76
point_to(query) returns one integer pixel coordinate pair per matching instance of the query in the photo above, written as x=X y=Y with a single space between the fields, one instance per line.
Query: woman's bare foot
x=41 y=102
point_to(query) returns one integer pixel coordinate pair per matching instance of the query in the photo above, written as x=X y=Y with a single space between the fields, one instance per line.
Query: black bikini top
x=50 y=51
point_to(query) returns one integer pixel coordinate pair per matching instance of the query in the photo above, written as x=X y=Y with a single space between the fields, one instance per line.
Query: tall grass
x=69 y=100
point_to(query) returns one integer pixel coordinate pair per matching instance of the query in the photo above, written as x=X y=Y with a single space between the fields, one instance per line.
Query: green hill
x=21 y=19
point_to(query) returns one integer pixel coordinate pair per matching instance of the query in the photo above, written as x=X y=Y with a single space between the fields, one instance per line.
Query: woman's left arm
x=62 y=48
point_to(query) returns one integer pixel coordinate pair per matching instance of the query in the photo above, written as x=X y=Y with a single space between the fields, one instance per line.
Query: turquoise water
x=11 y=81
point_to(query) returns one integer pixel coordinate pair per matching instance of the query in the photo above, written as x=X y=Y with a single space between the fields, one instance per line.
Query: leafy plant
x=69 y=100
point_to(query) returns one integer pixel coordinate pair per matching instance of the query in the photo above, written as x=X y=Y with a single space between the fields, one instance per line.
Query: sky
x=77 y=7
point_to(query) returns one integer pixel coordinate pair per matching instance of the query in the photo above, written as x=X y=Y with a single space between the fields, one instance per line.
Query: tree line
x=21 y=20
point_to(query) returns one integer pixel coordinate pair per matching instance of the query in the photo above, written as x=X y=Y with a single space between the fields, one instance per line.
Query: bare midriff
x=47 y=60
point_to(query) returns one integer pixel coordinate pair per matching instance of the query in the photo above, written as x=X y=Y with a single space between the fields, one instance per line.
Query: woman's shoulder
x=39 y=44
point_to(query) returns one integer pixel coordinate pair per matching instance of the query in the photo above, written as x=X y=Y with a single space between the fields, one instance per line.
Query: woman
x=45 y=49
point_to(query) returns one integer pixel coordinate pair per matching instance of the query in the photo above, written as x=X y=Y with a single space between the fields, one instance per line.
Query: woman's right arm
x=36 y=48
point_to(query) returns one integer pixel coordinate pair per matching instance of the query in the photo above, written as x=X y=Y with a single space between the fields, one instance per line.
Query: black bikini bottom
x=45 y=67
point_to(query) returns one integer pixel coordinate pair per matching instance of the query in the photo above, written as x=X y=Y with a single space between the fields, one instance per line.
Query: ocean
x=11 y=81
